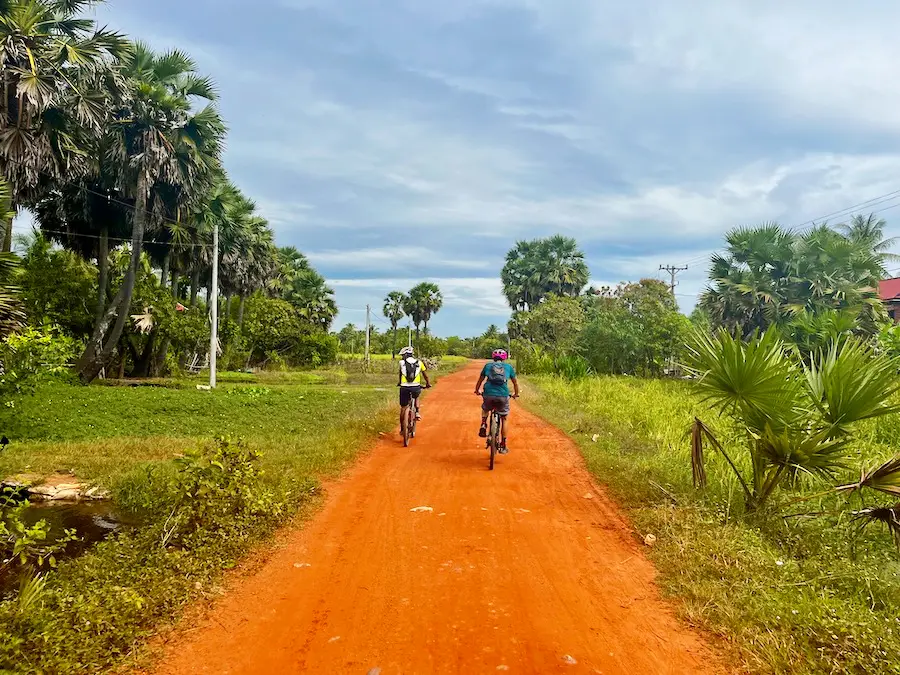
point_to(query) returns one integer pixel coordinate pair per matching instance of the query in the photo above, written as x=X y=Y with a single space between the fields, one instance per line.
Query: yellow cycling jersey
x=419 y=369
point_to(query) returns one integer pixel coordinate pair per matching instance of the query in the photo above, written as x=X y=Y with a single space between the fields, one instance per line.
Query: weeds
x=786 y=595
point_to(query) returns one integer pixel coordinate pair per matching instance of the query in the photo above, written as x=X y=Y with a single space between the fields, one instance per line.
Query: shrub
x=33 y=355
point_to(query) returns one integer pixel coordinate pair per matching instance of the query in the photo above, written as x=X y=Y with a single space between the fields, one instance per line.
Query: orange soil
x=526 y=569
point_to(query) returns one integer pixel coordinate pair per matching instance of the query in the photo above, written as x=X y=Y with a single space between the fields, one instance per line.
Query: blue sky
x=397 y=140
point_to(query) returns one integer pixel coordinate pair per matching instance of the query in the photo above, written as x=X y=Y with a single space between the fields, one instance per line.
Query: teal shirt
x=492 y=389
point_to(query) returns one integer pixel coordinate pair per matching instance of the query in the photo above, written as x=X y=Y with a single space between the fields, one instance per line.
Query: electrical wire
x=809 y=224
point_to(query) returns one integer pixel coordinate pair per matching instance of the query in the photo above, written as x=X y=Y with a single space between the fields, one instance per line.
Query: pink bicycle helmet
x=500 y=354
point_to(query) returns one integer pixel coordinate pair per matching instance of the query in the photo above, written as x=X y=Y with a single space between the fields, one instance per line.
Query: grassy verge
x=94 y=610
x=783 y=595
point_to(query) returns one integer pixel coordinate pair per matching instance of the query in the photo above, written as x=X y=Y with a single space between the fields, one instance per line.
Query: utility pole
x=672 y=270
x=214 y=333
x=368 y=330
x=409 y=328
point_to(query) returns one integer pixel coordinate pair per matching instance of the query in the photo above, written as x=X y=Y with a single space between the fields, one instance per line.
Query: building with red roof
x=889 y=292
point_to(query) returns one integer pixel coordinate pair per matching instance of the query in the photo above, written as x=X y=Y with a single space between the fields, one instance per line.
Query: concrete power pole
x=214 y=328
x=368 y=332
x=672 y=270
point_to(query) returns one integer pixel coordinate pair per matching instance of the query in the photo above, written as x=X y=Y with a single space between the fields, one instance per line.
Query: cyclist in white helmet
x=498 y=374
x=412 y=374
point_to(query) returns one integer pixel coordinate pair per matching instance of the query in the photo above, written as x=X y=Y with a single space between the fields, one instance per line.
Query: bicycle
x=409 y=429
x=494 y=437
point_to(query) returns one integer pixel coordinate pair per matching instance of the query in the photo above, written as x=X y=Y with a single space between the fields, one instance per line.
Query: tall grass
x=799 y=594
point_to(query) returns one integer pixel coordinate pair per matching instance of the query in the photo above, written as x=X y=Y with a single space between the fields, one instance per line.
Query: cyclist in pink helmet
x=496 y=377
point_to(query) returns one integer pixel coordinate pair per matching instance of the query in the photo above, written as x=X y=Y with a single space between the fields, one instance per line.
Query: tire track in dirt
x=513 y=571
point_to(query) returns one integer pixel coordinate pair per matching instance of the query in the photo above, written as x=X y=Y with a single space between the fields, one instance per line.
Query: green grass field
x=782 y=595
x=125 y=438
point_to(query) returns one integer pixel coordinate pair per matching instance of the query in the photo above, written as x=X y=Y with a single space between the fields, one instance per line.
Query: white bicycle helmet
x=407 y=351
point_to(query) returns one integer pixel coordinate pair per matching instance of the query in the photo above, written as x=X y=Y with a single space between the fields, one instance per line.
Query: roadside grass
x=96 y=611
x=804 y=594
x=97 y=608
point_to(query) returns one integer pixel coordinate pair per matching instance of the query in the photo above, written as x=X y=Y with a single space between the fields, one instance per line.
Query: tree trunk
x=164 y=272
x=174 y=282
x=7 y=234
x=96 y=354
x=240 y=319
x=394 y=343
x=209 y=297
x=227 y=315
x=417 y=331
x=159 y=359
x=195 y=283
x=103 y=280
x=143 y=362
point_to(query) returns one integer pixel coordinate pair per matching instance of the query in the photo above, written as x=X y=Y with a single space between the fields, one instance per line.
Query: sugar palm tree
x=423 y=302
x=160 y=141
x=797 y=417
x=394 y=312
x=58 y=80
x=313 y=298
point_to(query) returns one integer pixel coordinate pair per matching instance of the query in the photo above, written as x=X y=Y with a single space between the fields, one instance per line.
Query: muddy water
x=92 y=522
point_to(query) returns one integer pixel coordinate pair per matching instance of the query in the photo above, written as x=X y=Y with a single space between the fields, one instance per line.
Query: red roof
x=889 y=289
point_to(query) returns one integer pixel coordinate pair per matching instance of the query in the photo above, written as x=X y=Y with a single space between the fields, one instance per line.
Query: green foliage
x=538 y=268
x=553 y=324
x=31 y=356
x=422 y=302
x=274 y=332
x=59 y=288
x=796 y=417
x=635 y=329
x=197 y=516
x=429 y=346
x=219 y=488
x=769 y=275
x=11 y=313
x=780 y=596
x=24 y=546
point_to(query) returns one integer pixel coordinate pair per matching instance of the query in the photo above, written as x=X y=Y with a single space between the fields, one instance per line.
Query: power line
x=874 y=201
x=41 y=230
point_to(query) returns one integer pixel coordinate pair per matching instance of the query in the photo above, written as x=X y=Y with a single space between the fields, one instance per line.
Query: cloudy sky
x=398 y=140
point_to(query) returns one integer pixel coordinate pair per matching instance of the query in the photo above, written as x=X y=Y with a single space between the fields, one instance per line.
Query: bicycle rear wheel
x=405 y=430
x=494 y=438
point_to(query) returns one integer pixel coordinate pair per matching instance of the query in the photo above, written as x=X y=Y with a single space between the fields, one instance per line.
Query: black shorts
x=409 y=393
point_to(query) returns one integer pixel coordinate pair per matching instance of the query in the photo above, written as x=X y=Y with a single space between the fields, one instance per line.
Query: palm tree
x=423 y=302
x=393 y=311
x=535 y=269
x=565 y=271
x=797 y=417
x=11 y=314
x=58 y=81
x=313 y=298
x=768 y=275
x=162 y=145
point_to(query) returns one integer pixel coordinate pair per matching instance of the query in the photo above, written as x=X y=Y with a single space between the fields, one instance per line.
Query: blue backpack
x=497 y=374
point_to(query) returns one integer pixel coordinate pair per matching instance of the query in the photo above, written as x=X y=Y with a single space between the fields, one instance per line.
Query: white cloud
x=392 y=259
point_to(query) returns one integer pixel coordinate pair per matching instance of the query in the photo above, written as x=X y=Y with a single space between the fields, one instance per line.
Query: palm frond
x=883 y=478
x=889 y=516
x=850 y=383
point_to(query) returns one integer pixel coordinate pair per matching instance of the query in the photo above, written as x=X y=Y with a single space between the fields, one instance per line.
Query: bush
x=31 y=356
x=315 y=349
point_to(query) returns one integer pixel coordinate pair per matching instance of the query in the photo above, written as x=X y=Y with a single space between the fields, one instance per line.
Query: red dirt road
x=513 y=570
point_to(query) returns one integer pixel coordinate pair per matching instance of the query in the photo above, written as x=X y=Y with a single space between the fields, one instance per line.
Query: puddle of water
x=92 y=522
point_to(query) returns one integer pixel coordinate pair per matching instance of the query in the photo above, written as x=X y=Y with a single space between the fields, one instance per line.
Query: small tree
x=797 y=417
